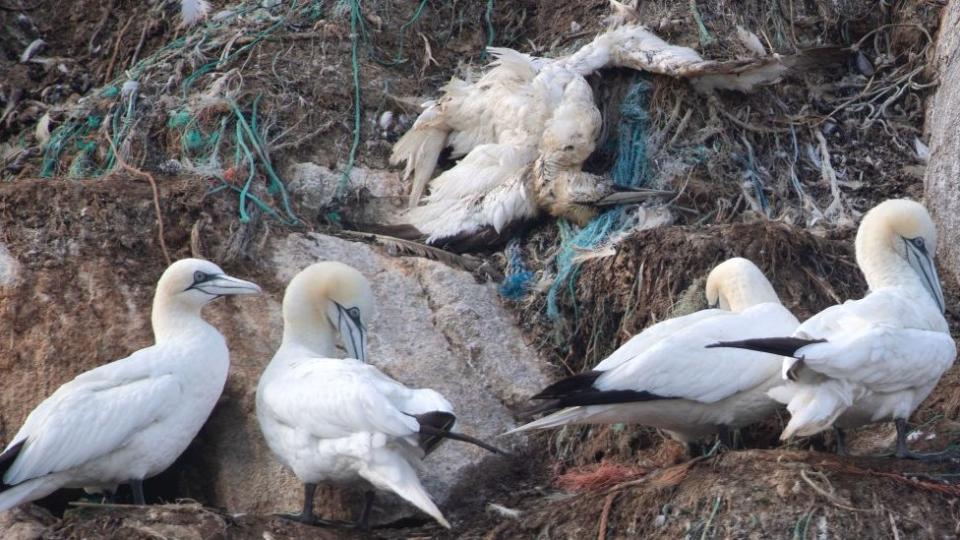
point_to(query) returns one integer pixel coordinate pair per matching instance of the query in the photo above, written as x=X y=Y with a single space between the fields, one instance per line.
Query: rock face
x=77 y=272
x=943 y=170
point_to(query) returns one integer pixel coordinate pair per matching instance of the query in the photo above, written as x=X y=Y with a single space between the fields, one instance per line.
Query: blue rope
x=629 y=170
x=517 y=282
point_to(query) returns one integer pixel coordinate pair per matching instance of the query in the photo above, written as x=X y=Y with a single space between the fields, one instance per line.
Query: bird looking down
x=663 y=377
x=342 y=420
x=877 y=358
x=130 y=419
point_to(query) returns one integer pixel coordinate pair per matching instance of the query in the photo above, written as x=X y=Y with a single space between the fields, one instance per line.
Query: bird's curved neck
x=883 y=267
x=303 y=327
x=171 y=319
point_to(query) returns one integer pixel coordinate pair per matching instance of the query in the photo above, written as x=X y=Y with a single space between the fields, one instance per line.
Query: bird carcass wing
x=653 y=335
x=94 y=414
x=331 y=398
x=680 y=365
x=486 y=188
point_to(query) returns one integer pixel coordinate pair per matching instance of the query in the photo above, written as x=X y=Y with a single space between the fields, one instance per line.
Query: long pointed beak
x=353 y=335
x=224 y=285
x=923 y=264
x=629 y=196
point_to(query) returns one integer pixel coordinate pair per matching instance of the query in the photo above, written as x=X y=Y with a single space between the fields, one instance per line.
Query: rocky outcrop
x=77 y=272
x=943 y=170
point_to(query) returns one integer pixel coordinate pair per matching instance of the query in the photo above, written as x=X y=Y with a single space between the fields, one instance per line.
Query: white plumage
x=342 y=420
x=664 y=378
x=880 y=356
x=193 y=11
x=130 y=419
x=518 y=104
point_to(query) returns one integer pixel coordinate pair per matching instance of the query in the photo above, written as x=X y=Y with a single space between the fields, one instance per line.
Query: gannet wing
x=336 y=398
x=653 y=335
x=882 y=358
x=93 y=415
x=679 y=366
x=485 y=189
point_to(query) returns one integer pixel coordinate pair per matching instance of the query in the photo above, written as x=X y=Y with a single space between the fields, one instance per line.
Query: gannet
x=343 y=420
x=130 y=419
x=513 y=102
x=873 y=359
x=664 y=378
x=498 y=187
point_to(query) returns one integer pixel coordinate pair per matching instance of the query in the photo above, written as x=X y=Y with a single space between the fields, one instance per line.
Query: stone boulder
x=77 y=273
x=942 y=180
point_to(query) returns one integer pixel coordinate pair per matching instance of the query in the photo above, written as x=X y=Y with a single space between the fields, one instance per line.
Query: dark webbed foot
x=905 y=453
x=313 y=520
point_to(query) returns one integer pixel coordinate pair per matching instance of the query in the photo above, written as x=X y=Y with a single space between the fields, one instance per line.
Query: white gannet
x=130 y=419
x=343 y=420
x=873 y=359
x=664 y=378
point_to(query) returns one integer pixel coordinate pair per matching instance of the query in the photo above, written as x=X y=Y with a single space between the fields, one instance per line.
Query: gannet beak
x=224 y=285
x=922 y=263
x=352 y=332
x=623 y=195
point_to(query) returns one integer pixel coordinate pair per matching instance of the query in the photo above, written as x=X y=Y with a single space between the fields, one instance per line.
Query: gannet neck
x=882 y=249
x=882 y=265
x=304 y=327
x=737 y=284
x=172 y=318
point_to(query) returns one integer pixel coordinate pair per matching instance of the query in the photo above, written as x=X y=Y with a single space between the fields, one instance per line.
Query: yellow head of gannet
x=737 y=284
x=185 y=287
x=325 y=299
x=896 y=244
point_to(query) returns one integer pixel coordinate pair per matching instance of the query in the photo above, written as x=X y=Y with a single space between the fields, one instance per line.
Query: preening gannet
x=663 y=378
x=343 y=420
x=876 y=358
x=130 y=419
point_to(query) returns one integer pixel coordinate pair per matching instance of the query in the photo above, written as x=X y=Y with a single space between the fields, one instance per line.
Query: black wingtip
x=780 y=346
x=581 y=382
x=6 y=461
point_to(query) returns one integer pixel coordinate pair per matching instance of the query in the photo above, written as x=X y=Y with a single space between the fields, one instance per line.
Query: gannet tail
x=813 y=408
x=392 y=472
x=572 y=415
x=30 y=490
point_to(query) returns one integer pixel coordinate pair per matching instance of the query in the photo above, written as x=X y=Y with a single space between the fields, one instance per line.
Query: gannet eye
x=199 y=277
x=919 y=243
x=354 y=313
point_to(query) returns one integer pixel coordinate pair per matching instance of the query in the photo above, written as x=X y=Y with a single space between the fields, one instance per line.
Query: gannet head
x=334 y=296
x=195 y=282
x=737 y=284
x=901 y=228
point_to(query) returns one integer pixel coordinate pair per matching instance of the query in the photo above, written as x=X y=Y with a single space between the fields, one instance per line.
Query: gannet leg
x=136 y=486
x=841 y=439
x=108 y=496
x=726 y=437
x=904 y=453
x=306 y=516
x=364 y=523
